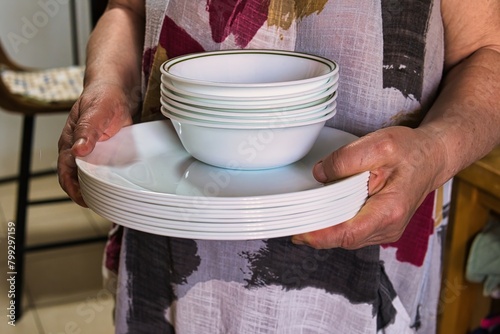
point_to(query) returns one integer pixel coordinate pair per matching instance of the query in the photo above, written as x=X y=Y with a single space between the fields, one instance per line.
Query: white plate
x=228 y=216
x=205 y=183
x=219 y=225
x=272 y=232
x=239 y=235
x=199 y=202
x=147 y=162
x=217 y=211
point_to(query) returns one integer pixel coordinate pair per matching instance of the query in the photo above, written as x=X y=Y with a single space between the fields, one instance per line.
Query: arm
x=111 y=88
x=466 y=116
x=406 y=164
x=114 y=50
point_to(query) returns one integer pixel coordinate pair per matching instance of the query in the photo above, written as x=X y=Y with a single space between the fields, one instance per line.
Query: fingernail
x=319 y=172
x=80 y=142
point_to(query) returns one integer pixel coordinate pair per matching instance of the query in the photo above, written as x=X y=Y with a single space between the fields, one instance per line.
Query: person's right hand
x=100 y=112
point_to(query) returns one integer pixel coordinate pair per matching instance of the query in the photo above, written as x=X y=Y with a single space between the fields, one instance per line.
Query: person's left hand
x=403 y=164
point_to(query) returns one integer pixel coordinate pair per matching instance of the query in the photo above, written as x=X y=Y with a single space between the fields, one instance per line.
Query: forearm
x=114 y=50
x=464 y=122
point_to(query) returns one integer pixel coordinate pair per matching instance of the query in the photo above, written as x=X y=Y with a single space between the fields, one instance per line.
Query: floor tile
x=47 y=186
x=63 y=287
x=5 y=288
x=28 y=324
x=59 y=275
x=52 y=222
x=92 y=313
x=28 y=321
x=40 y=188
x=58 y=222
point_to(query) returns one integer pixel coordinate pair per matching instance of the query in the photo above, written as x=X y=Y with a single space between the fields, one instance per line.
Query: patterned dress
x=391 y=62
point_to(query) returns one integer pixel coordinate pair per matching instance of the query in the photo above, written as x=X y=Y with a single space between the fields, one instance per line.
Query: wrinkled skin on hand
x=100 y=112
x=403 y=165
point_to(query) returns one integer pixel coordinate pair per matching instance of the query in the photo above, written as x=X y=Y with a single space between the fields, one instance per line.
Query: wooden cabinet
x=476 y=194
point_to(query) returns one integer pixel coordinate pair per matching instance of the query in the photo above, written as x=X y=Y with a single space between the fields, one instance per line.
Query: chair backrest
x=7 y=102
x=18 y=104
x=6 y=61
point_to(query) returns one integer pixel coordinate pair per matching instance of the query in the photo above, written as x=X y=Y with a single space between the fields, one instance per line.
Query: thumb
x=346 y=161
x=354 y=158
x=95 y=125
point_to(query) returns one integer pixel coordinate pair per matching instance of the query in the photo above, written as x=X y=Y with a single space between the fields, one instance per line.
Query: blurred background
x=63 y=290
x=58 y=42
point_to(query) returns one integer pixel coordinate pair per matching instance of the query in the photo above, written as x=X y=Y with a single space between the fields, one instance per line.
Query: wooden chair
x=29 y=105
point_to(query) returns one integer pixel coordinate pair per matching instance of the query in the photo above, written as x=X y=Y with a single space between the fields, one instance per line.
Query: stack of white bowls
x=248 y=109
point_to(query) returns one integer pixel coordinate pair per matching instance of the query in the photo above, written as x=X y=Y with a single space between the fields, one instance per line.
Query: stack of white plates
x=143 y=178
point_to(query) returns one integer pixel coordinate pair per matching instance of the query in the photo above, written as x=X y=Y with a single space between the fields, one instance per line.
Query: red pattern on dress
x=413 y=244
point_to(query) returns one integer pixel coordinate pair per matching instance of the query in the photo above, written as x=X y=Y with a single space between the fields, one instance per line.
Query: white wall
x=36 y=33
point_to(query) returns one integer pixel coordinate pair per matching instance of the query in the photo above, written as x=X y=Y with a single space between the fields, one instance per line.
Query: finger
x=88 y=131
x=97 y=123
x=362 y=155
x=377 y=180
x=68 y=178
x=377 y=222
x=66 y=167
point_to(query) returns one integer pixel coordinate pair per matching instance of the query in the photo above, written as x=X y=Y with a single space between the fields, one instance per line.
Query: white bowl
x=320 y=111
x=268 y=106
x=247 y=114
x=247 y=149
x=166 y=84
x=250 y=73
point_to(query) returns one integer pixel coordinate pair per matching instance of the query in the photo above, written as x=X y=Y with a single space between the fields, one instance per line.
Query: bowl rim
x=167 y=84
x=221 y=126
x=238 y=120
x=165 y=67
x=170 y=95
x=244 y=113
